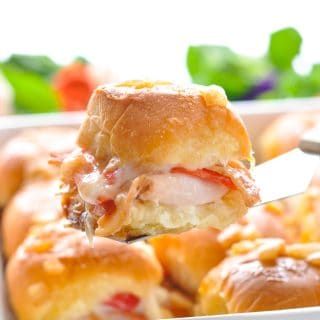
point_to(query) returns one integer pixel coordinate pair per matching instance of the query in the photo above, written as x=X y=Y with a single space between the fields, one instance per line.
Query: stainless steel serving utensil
x=291 y=173
x=287 y=175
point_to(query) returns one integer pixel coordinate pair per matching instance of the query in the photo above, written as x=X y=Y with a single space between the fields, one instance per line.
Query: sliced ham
x=242 y=179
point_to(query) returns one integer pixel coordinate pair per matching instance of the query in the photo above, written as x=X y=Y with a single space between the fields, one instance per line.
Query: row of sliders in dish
x=54 y=273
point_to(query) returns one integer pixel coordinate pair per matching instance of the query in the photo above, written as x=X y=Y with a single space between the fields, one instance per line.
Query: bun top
x=73 y=250
x=56 y=270
x=159 y=123
x=263 y=275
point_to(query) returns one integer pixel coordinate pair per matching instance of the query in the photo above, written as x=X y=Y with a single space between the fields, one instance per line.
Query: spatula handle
x=310 y=141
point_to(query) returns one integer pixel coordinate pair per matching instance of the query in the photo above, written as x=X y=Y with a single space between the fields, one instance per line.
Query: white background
x=149 y=38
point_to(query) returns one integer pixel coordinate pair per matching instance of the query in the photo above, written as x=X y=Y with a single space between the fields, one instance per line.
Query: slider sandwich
x=155 y=157
x=262 y=275
x=55 y=274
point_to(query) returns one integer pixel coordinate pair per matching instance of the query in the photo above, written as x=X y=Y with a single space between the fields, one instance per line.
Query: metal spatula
x=291 y=173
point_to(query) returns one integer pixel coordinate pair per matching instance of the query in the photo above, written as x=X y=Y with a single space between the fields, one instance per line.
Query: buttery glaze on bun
x=262 y=275
x=36 y=203
x=56 y=274
x=157 y=157
x=187 y=257
x=160 y=123
x=25 y=157
x=284 y=133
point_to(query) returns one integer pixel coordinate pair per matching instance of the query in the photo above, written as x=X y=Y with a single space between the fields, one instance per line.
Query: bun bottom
x=149 y=218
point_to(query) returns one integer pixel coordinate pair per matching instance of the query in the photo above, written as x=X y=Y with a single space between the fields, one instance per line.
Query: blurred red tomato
x=74 y=85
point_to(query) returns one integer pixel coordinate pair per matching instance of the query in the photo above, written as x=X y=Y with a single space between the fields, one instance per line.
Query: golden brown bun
x=36 y=203
x=267 y=276
x=187 y=257
x=285 y=132
x=56 y=274
x=26 y=156
x=159 y=123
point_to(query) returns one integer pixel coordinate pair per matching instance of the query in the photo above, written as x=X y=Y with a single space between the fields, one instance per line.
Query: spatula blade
x=287 y=175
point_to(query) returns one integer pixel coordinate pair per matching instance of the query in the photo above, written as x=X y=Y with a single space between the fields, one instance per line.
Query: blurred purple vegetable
x=264 y=85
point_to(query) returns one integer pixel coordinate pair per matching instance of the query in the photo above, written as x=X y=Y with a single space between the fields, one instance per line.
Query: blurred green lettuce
x=220 y=65
x=32 y=92
x=269 y=76
x=284 y=46
x=39 y=64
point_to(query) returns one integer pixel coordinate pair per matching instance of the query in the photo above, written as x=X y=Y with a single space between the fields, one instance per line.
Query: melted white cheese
x=94 y=186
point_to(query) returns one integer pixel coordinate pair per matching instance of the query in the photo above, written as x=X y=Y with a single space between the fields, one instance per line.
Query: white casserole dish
x=256 y=115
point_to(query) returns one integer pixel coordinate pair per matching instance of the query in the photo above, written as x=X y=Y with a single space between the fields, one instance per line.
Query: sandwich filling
x=126 y=306
x=104 y=193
